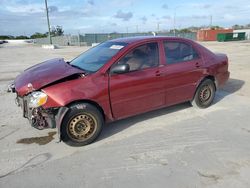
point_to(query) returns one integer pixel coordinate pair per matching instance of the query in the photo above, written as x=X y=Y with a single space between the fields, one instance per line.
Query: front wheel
x=204 y=95
x=81 y=125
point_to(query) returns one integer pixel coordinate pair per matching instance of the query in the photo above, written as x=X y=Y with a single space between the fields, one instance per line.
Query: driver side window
x=142 y=57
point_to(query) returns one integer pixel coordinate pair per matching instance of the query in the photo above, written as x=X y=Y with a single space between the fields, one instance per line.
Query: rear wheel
x=204 y=95
x=81 y=125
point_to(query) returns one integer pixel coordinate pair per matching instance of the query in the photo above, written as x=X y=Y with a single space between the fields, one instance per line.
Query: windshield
x=96 y=57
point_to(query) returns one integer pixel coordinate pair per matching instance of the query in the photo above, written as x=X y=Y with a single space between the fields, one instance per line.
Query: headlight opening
x=37 y=99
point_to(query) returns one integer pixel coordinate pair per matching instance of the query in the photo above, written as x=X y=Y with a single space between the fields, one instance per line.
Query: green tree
x=236 y=26
x=6 y=37
x=38 y=35
x=21 y=37
x=216 y=27
x=185 y=30
x=57 y=31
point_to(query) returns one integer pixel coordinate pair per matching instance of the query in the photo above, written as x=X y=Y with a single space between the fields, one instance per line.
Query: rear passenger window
x=177 y=52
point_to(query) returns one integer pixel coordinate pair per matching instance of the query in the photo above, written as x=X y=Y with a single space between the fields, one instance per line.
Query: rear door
x=142 y=88
x=183 y=69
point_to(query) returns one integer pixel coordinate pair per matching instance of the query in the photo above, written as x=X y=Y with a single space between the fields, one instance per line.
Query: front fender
x=83 y=89
x=59 y=119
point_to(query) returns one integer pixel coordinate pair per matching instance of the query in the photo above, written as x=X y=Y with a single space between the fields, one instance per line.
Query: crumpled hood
x=43 y=74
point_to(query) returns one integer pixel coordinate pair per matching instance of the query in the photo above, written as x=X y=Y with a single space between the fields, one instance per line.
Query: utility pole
x=158 y=27
x=211 y=21
x=174 y=19
x=47 y=12
x=79 y=38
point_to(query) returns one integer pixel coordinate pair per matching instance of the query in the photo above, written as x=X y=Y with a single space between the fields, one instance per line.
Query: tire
x=81 y=125
x=204 y=94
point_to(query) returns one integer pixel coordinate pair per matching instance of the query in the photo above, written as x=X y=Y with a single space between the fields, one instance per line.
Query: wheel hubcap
x=82 y=126
x=205 y=93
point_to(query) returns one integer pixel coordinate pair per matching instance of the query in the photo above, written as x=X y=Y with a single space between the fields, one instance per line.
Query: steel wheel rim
x=205 y=93
x=82 y=126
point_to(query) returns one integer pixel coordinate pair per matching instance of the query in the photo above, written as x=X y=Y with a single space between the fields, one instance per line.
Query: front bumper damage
x=41 y=118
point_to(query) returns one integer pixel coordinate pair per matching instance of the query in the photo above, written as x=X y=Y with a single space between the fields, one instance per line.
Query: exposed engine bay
x=38 y=117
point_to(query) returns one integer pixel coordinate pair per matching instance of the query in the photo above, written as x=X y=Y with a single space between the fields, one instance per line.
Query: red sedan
x=117 y=79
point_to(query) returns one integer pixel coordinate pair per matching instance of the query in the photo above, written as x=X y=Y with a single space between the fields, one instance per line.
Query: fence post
x=79 y=41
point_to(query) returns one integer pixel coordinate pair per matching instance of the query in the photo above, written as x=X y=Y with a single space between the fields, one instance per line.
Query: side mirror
x=120 y=69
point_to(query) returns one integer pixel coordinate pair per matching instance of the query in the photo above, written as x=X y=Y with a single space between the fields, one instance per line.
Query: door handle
x=197 y=65
x=158 y=73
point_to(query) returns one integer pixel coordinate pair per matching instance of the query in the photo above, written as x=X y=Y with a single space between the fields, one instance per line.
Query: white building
x=247 y=31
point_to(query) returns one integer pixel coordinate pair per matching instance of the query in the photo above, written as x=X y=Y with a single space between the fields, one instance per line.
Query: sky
x=25 y=17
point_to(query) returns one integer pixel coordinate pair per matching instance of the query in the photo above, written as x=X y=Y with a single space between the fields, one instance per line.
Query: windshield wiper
x=77 y=67
x=86 y=72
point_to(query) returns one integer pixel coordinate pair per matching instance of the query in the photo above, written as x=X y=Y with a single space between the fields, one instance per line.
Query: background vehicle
x=115 y=80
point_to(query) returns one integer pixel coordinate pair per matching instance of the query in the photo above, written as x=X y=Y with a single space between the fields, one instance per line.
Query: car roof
x=145 y=39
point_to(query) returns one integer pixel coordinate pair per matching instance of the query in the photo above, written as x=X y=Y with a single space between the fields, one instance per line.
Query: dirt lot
x=177 y=147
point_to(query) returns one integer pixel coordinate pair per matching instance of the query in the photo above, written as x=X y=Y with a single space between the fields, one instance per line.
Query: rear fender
x=202 y=79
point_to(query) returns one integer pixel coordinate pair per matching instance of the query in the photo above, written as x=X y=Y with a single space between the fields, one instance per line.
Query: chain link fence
x=91 y=38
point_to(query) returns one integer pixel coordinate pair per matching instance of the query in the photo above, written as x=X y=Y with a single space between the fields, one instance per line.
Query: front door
x=142 y=88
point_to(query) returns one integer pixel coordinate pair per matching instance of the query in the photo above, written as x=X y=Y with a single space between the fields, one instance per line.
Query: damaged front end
x=39 y=117
x=34 y=101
